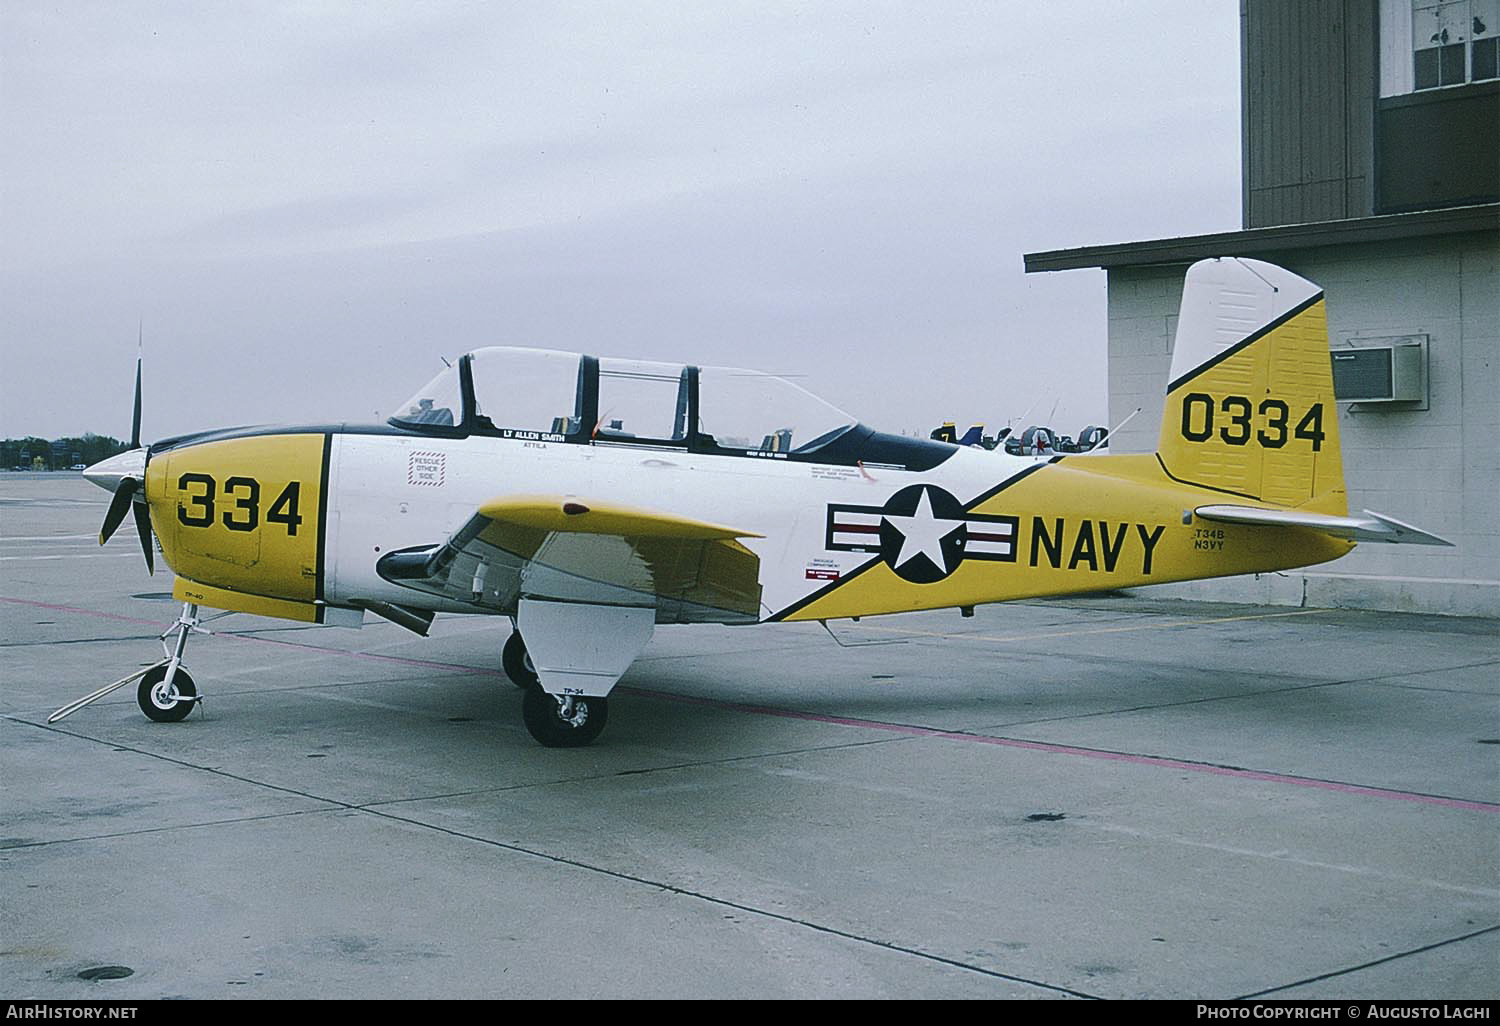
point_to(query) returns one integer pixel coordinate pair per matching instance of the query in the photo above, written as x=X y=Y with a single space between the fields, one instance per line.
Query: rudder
x=1250 y=406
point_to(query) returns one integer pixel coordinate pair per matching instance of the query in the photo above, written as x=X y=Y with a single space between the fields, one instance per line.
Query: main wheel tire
x=517 y=663
x=544 y=719
x=157 y=705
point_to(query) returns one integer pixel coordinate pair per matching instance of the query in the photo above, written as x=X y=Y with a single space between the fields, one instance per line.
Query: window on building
x=1435 y=44
x=1453 y=42
x=1484 y=48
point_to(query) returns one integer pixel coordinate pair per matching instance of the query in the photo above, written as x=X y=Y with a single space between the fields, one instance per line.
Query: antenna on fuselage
x=1022 y=417
x=1111 y=432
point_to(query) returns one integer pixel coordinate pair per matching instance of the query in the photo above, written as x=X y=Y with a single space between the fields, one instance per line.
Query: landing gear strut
x=556 y=721
x=166 y=692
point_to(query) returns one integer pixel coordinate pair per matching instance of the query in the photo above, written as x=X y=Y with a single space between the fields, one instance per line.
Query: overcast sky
x=307 y=204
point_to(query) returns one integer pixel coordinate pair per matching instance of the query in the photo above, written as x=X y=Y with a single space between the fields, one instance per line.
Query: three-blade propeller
x=129 y=493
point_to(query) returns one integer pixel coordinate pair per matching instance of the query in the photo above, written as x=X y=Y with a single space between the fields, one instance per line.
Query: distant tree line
x=57 y=454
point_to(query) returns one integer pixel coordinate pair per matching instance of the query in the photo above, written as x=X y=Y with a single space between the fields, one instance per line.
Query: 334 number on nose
x=241 y=499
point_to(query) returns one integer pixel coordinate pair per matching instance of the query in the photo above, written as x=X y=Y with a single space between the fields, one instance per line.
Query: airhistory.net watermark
x=42 y=1010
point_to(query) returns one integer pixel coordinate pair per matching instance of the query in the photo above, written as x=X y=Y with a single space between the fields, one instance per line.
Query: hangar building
x=1371 y=165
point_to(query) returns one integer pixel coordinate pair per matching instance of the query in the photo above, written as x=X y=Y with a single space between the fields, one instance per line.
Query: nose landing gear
x=166 y=692
x=164 y=702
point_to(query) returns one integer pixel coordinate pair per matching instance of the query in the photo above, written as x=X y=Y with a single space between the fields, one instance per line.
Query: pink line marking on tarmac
x=889 y=728
x=1231 y=771
x=82 y=612
x=164 y=624
x=1085 y=753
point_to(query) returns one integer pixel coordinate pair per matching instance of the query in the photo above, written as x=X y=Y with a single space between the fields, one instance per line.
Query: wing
x=1372 y=527
x=563 y=549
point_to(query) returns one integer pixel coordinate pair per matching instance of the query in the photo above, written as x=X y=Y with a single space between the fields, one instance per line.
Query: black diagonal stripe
x=1196 y=484
x=984 y=497
x=320 y=556
x=808 y=600
x=1250 y=339
x=831 y=586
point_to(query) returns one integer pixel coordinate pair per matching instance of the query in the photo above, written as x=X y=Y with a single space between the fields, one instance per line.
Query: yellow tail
x=1250 y=408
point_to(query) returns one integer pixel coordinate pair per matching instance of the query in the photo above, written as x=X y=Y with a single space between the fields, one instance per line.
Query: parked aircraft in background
x=1034 y=441
x=974 y=436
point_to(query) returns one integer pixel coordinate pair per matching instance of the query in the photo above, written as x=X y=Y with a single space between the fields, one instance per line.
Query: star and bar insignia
x=922 y=533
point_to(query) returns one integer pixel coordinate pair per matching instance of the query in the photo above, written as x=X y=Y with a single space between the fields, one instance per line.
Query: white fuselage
x=393 y=492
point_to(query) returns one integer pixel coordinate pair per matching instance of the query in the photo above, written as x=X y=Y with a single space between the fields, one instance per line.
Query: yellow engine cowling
x=243 y=516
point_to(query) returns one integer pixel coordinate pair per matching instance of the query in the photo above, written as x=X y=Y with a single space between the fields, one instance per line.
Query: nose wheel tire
x=516 y=662
x=567 y=722
x=155 y=701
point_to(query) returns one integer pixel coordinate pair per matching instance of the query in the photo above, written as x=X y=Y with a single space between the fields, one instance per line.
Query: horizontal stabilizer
x=1372 y=527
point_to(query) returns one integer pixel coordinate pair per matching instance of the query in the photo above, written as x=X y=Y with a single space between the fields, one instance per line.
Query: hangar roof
x=1484 y=217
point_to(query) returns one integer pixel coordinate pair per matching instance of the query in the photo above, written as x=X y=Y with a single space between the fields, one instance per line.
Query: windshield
x=749 y=410
x=438 y=403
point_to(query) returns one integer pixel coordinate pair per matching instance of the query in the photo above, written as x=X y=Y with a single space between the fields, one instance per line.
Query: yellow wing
x=567 y=549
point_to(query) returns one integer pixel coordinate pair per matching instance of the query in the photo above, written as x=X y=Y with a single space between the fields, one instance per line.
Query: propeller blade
x=143 y=528
x=135 y=423
x=117 y=507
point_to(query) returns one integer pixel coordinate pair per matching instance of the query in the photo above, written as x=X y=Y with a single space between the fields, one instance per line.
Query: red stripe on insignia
x=978 y=536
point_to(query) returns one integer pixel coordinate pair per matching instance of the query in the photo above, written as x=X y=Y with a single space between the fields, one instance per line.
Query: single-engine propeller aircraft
x=590 y=499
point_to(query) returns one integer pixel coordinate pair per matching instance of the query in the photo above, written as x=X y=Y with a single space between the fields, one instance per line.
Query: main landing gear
x=563 y=721
x=517 y=663
x=555 y=721
x=166 y=692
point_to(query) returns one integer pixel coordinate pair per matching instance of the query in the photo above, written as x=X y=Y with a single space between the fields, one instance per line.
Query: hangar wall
x=1437 y=468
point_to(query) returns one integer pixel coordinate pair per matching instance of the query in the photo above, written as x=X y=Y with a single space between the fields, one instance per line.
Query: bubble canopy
x=538 y=393
x=552 y=396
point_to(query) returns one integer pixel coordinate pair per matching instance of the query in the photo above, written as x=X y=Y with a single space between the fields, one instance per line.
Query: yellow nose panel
x=243 y=514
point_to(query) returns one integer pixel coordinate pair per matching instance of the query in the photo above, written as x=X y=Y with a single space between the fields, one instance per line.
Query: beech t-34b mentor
x=590 y=499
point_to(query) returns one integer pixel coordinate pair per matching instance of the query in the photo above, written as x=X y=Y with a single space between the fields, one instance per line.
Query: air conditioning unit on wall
x=1390 y=370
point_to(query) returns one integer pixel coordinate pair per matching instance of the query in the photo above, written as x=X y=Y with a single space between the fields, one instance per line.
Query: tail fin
x=973 y=436
x=1250 y=407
